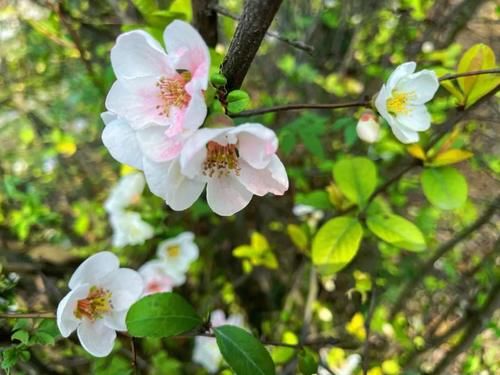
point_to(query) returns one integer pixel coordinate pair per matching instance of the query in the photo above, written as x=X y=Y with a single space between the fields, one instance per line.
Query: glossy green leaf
x=444 y=187
x=243 y=352
x=397 y=231
x=356 y=178
x=161 y=315
x=308 y=363
x=335 y=244
x=298 y=236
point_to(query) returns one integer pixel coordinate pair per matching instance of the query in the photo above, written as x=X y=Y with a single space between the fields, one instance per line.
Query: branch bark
x=255 y=20
x=205 y=20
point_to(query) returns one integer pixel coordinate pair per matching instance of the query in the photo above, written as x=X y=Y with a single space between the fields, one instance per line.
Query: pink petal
x=256 y=144
x=272 y=179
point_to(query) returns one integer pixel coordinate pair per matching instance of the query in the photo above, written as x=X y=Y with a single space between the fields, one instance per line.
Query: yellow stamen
x=173 y=251
x=173 y=92
x=97 y=303
x=398 y=103
x=221 y=160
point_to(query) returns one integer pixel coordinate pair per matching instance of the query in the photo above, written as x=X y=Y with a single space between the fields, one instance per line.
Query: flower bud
x=368 y=128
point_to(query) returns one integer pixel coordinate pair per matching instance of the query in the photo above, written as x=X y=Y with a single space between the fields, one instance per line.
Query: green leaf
x=298 y=236
x=444 y=187
x=42 y=338
x=308 y=364
x=287 y=141
x=335 y=244
x=243 y=352
x=161 y=315
x=397 y=231
x=145 y=6
x=237 y=101
x=22 y=336
x=356 y=178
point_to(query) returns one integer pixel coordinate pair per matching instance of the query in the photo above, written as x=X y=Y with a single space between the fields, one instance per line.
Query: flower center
x=97 y=303
x=398 y=103
x=221 y=160
x=173 y=251
x=173 y=92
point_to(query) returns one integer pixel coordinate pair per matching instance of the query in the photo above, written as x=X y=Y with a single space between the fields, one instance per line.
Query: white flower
x=401 y=101
x=206 y=352
x=233 y=163
x=311 y=214
x=178 y=253
x=129 y=229
x=154 y=87
x=158 y=277
x=126 y=192
x=368 y=128
x=96 y=306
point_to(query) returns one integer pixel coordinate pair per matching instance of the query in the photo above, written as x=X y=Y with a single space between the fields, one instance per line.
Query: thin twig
x=36 y=315
x=368 y=321
x=447 y=77
x=134 y=355
x=294 y=43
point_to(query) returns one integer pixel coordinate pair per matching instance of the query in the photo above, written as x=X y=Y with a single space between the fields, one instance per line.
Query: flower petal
x=67 y=322
x=126 y=287
x=272 y=179
x=138 y=54
x=94 y=268
x=157 y=146
x=96 y=338
x=116 y=320
x=417 y=119
x=404 y=135
x=399 y=73
x=138 y=101
x=120 y=140
x=156 y=176
x=127 y=191
x=187 y=48
x=381 y=104
x=194 y=114
x=423 y=85
x=182 y=191
x=257 y=144
x=226 y=195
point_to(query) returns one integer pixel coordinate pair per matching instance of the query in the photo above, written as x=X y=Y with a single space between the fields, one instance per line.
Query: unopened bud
x=368 y=128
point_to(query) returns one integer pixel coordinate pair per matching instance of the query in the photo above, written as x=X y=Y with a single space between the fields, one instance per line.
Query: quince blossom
x=234 y=163
x=158 y=277
x=367 y=128
x=158 y=88
x=206 y=352
x=401 y=101
x=178 y=253
x=129 y=229
x=126 y=192
x=96 y=306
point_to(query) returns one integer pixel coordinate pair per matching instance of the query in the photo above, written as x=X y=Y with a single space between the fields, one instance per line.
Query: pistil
x=221 y=160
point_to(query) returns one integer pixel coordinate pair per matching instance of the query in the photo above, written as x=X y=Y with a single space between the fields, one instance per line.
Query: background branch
x=205 y=20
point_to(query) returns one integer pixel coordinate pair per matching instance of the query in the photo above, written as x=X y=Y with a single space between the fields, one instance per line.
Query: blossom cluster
x=154 y=112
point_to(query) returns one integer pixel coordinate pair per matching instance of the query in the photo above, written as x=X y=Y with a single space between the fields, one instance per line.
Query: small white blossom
x=368 y=128
x=129 y=229
x=96 y=306
x=126 y=192
x=401 y=101
x=179 y=252
x=158 y=277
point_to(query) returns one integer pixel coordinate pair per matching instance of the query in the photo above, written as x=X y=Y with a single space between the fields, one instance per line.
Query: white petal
x=405 y=135
x=417 y=119
x=129 y=228
x=127 y=191
x=399 y=73
x=226 y=195
x=94 y=268
x=207 y=354
x=120 y=140
x=256 y=144
x=272 y=179
x=381 y=104
x=157 y=146
x=156 y=176
x=196 y=111
x=137 y=101
x=138 y=54
x=187 y=47
x=217 y=318
x=116 y=320
x=126 y=287
x=182 y=191
x=423 y=85
x=67 y=322
x=96 y=338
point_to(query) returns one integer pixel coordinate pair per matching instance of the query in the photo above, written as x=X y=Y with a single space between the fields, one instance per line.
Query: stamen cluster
x=97 y=303
x=221 y=160
x=173 y=92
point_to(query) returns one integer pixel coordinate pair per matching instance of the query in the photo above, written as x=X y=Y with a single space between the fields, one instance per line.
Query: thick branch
x=442 y=250
x=205 y=20
x=255 y=20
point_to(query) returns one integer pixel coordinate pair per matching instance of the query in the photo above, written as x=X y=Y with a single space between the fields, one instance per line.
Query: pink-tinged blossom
x=368 y=128
x=157 y=88
x=96 y=306
x=158 y=277
x=233 y=163
x=401 y=101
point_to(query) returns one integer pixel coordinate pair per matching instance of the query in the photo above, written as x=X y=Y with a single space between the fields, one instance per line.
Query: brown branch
x=475 y=327
x=205 y=20
x=447 y=77
x=35 y=315
x=368 y=320
x=427 y=266
x=255 y=20
x=294 y=43
x=292 y=107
